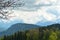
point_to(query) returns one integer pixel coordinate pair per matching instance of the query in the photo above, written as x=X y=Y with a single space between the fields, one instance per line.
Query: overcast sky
x=34 y=12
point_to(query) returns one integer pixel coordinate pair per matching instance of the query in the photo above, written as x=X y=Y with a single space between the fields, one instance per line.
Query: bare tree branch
x=5 y=5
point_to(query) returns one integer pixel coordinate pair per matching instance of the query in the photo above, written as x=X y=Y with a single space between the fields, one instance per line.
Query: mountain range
x=23 y=27
x=18 y=27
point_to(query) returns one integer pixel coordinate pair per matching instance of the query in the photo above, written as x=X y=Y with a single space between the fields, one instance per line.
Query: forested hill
x=51 y=32
x=18 y=27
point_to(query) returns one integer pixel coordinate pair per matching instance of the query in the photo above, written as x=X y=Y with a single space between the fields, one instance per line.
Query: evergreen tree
x=28 y=36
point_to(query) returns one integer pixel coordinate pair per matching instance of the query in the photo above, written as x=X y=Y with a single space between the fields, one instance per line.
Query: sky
x=39 y=12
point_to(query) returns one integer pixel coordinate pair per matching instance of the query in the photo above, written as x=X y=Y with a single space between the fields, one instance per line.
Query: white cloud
x=33 y=11
x=47 y=16
x=28 y=17
x=42 y=2
x=33 y=17
x=53 y=2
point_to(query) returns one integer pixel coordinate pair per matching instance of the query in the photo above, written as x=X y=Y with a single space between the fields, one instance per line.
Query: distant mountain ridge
x=22 y=27
x=18 y=27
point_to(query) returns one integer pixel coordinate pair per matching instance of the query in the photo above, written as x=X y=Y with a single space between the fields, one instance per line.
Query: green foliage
x=1 y=39
x=28 y=36
x=42 y=33
x=53 y=36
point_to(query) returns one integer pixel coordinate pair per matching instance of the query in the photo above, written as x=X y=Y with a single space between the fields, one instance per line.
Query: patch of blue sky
x=45 y=23
x=53 y=11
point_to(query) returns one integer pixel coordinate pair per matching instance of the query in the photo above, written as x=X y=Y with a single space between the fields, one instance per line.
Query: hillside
x=18 y=27
x=51 y=32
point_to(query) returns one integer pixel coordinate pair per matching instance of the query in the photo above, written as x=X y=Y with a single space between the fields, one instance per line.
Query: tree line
x=42 y=33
